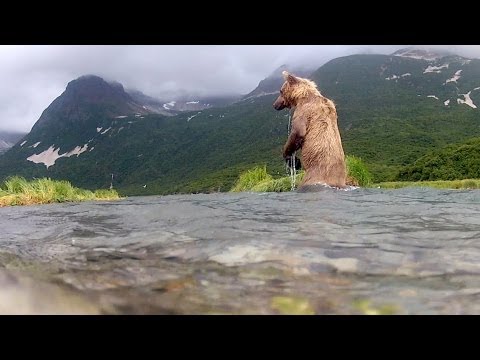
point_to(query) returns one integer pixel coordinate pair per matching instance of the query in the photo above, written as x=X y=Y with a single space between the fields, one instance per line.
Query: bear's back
x=322 y=151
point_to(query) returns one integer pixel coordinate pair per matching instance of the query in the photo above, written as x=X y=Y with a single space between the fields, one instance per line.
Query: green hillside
x=455 y=161
x=392 y=111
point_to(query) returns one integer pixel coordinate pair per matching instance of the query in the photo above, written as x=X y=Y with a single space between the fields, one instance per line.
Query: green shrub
x=357 y=170
x=251 y=178
x=16 y=185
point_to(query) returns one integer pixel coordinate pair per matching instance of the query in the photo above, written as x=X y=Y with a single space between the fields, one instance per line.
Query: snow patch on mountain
x=167 y=105
x=468 y=101
x=393 y=77
x=49 y=156
x=77 y=151
x=191 y=117
x=435 y=69
x=455 y=77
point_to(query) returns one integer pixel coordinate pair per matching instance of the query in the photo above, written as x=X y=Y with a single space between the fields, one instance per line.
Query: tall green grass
x=357 y=170
x=278 y=185
x=252 y=178
x=258 y=179
x=19 y=191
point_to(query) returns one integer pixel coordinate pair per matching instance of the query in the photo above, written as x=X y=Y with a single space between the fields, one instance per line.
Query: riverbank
x=285 y=184
x=438 y=184
x=19 y=191
x=258 y=179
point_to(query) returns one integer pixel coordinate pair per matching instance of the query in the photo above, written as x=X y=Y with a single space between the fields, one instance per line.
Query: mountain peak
x=89 y=77
x=91 y=86
x=86 y=80
x=86 y=95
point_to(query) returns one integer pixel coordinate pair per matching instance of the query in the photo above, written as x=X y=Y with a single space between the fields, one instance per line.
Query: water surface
x=408 y=251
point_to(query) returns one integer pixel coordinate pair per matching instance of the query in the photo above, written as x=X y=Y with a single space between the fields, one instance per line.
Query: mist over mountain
x=272 y=83
x=8 y=139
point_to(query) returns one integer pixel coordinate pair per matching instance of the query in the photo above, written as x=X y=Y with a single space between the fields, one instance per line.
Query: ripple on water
x=416 y=250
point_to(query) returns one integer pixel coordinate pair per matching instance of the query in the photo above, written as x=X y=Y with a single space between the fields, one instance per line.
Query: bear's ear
x=289 y=78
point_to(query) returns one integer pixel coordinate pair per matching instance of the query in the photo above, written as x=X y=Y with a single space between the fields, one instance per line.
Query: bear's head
x=293 y=89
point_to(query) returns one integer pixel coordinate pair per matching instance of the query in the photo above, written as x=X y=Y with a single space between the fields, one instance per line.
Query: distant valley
x=8 y=139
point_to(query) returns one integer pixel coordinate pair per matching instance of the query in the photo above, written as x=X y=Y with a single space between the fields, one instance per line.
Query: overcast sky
x=33 y=76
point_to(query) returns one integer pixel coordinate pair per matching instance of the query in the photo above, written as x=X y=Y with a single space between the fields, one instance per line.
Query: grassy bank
x=438 y=184
x=259 y=180
x=19 y=191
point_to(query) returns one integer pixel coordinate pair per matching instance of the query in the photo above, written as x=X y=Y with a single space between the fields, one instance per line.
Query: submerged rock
x=21 y=295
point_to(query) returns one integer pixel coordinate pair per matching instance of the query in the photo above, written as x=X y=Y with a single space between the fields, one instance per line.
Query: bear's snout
x=279 y=104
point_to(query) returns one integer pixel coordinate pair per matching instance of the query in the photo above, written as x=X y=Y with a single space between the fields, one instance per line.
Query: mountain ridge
x=272 y=83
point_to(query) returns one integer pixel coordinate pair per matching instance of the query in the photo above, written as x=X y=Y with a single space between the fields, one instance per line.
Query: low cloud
x=33 y=76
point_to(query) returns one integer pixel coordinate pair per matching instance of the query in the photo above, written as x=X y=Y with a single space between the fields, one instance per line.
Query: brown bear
x=314 y=130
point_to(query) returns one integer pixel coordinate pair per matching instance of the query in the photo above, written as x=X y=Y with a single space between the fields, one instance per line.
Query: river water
x=366 y=251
